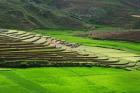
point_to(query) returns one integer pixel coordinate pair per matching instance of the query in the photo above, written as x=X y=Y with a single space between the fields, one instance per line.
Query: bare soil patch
x=124 y=35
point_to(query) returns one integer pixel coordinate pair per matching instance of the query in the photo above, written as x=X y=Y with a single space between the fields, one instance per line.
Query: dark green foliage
x=26 y=14
x=67 y=14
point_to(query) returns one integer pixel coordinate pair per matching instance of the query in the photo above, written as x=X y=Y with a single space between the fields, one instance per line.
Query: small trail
x=34 y=87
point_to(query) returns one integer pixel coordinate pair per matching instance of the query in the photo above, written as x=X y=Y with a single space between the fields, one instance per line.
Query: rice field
x=69 y=80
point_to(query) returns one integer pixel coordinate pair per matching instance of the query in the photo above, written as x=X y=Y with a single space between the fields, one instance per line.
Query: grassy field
x=68 y=35
x=69 y=80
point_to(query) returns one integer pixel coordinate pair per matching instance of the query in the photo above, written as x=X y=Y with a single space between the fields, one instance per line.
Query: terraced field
x=24 y=49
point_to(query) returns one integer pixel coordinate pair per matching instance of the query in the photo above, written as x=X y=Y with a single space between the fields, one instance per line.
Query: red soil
x=125 y=35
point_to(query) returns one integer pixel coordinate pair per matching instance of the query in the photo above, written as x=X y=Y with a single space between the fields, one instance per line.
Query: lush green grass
x=69 y=80
x=68 y=35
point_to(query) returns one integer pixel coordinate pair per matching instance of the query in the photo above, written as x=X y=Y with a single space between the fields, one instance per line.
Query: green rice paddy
x=69 y=80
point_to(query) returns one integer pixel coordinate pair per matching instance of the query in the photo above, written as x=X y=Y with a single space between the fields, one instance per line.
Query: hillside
x=114 y=12
x=33 y=14
x=68 y=13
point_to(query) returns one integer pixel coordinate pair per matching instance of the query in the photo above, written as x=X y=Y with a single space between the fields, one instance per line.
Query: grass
x=70 y=80
x=68 y=35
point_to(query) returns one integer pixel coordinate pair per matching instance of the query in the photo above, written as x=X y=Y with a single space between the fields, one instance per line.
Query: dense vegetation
x=33 y=14
x=68 y=13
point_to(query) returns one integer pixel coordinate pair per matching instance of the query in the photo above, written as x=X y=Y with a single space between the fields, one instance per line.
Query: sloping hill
x=68 y=13
x=33 y=14
x=114 y=12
